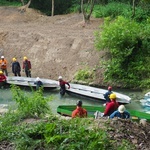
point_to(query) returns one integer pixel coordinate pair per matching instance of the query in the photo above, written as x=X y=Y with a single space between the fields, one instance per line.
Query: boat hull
x=30 y=82
x=95 y=93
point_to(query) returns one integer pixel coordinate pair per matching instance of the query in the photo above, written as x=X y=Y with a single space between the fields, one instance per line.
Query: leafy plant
x=85 y=75
x=35 y=105
x=128 y=44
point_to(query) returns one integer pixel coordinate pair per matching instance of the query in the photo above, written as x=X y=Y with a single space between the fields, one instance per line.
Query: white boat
x=25 y=81
x=95 y=93
x=147 y=94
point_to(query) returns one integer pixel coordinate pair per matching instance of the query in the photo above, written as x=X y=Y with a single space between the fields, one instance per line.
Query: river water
x=136 y=96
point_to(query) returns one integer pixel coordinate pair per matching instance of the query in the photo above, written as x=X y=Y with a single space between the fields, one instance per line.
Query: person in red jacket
x=27 y=67
x=2 y=79
x=79 y=111
x=62 y=85
x=111 y=106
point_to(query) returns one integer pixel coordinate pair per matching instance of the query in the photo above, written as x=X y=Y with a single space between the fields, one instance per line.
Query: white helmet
x=121 y=108
x=60 y=77
x=2 y=56
x=37 y=79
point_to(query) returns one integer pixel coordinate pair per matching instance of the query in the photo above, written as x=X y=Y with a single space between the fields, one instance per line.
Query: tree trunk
x=133 y=11
x=22 y=9
x=22 y=1
x=52 y=13
x=86 y=15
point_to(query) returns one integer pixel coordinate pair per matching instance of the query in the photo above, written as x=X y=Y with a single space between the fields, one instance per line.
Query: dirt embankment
x=59 y=45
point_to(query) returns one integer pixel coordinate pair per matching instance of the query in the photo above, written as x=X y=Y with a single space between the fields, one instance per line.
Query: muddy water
x=136 y=96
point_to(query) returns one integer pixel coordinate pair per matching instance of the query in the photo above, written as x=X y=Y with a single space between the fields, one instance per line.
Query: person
x=2 y=79
x=38 y=83
x=107 y=94
x=62 y=84
x=16 y=67
x=120 y=113
x=3 y=65
x=79 y=111
x=111 y=106
x=27 y=67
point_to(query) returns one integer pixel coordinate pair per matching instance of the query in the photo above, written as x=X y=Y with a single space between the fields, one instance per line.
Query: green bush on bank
x=128 y=44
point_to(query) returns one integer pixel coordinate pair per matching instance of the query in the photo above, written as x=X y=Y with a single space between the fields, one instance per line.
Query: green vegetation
x=50 y=132
x=85 y=75
x=9 y=3
x=128 y=44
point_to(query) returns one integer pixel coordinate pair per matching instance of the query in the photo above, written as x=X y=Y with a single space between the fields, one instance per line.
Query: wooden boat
x=95 y=93
x=66 y=110
x=24 y=81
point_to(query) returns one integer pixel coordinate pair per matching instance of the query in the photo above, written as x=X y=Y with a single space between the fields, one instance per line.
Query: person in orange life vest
x=111 y=106
x=62 y=84
x=79 y=111
x=2 y=79
x=16 y=67
x=3 y=65
x=27 y=67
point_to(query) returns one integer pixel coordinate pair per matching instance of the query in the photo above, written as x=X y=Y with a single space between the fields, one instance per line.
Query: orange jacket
x=3 y=64
x=79 y=112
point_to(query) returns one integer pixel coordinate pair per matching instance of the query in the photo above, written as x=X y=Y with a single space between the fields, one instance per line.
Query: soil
x=59 y=45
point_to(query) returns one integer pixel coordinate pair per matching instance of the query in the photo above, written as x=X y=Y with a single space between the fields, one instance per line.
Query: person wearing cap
x=2 y=79
x=27 y=67
x=16 y=67
x=38 y=83
x=3 y=65
x=79 y=111
x=120 y=113
x=107 y=94
x=62 y=85
x=111 y=106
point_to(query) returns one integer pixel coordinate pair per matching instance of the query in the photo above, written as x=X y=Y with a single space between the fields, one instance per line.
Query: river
x=136 y=96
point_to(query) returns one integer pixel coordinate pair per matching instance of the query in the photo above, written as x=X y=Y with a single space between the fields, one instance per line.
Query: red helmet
x=109 y=88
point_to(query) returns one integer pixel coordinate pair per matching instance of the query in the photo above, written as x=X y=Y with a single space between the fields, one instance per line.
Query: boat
x=66 y=110
x=30 y=82
x=95 y=93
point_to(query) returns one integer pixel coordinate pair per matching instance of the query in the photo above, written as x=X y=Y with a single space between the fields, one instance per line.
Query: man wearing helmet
x=16 y=67
x=27 y=67
x=3 y=65
x=62 y=84
x=111 y=106
x=120 y=113
x=107 y=94
x=79 y=111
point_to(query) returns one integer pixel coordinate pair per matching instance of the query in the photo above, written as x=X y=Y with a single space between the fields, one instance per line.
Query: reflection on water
x=136 y=96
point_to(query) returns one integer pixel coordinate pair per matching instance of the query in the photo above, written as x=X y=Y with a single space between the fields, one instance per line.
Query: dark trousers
x=17 y=73
x=62 y=91
x=28 y=73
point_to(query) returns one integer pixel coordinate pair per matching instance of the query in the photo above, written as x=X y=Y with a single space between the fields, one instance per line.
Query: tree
x=24 y=7
x=87 y=9
x=52 y=14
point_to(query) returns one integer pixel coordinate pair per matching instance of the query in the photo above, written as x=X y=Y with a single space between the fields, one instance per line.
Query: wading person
x=2 y=79
x=3 y=65
x=120 y=113
x=79 y=111
x=27 y=67
x=38 y=83
x=16 y=67
x=62 y=85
